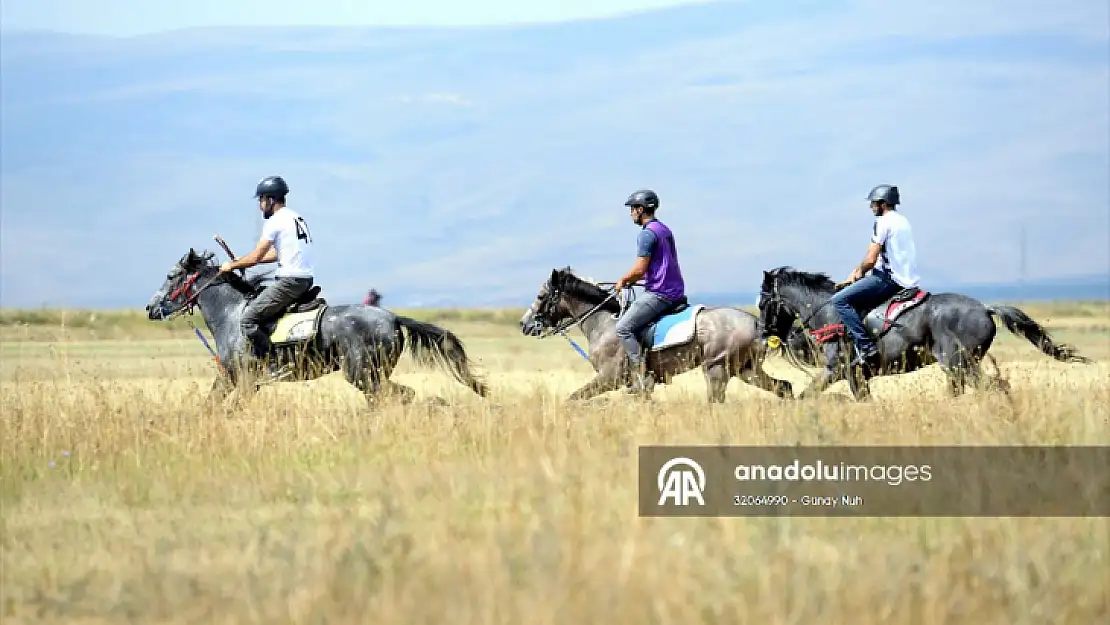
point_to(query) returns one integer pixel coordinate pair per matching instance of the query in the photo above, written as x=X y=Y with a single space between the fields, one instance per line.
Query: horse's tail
x=432 y=344
x=1022 y=325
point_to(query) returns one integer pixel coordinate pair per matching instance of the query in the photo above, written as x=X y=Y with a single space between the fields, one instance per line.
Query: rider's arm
x=881 y=233
x=645 y=244
x=256 y=256
x=870 y=258
x=270 y=257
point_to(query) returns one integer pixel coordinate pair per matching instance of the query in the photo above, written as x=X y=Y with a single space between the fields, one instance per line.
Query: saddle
x=647 y=336
x=679 y=306
x=905 y=295
x=880 y=318
x=299 y=321
x=309 y=300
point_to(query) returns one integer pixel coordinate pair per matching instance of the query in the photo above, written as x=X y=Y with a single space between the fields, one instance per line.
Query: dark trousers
x=859 y=298
x=268 y=305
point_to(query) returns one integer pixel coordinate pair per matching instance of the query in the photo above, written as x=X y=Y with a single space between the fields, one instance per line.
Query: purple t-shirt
x=663 y=275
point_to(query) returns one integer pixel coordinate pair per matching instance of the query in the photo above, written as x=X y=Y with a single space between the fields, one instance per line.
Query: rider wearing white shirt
x=897 y=257
x=285 y=229
x=894 y=259
x=286 y=240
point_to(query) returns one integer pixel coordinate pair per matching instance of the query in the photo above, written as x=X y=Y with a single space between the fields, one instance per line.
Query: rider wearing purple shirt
x=657 y=264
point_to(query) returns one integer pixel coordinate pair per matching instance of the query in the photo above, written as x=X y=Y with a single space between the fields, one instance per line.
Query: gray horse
x=365 y=341
x=723 y=340
x=913 y=329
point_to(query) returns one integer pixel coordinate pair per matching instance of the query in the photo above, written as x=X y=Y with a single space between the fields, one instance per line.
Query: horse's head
x=180 y=289
x=548 y=309
x=773 y=318
x=783 y=296
x=566 y=298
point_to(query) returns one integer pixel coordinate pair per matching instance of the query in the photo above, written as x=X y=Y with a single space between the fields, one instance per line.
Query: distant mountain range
x=1085 y=288
x=1072 y=288
x=460 y=165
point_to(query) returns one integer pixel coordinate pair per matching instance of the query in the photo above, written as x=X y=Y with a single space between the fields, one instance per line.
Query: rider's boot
x=642 y=380
x=270 y=370
x=866 y=360
x=276 y=372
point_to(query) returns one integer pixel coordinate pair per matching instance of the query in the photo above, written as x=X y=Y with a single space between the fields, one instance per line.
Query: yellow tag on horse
x=773 y=342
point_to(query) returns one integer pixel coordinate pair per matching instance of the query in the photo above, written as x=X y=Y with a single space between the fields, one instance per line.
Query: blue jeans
x=860 y=297
x=647 y=308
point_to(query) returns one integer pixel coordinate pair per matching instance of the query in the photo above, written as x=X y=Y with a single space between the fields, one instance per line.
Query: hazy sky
x=990 y=115
x=134 y=17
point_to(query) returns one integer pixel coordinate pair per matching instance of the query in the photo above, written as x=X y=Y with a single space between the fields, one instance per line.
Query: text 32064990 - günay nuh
x=826 y=501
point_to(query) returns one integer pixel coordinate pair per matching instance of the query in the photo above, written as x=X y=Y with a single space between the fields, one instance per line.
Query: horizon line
x=738 y=297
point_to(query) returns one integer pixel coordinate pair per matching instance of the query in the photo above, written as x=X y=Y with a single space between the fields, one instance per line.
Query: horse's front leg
x=828 y=375
x=820 y=383
x=603 y=382
x=221 y=388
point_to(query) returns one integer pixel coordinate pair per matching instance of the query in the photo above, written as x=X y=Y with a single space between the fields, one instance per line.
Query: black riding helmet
x=644 y=197
x=272 y=187
x=884 y=193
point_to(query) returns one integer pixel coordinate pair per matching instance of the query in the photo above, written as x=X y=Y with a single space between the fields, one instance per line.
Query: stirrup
x=869 y=360
x=281 y=372
x=641 y=382
x=270 y=374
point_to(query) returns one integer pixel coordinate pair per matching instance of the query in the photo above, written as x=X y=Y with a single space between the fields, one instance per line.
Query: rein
x=809 y=335
x=562 y=327
x=190 y=305
x=190 y=298
x=775 y=297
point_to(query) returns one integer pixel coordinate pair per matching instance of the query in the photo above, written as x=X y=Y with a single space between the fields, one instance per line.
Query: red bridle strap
x=184 y=288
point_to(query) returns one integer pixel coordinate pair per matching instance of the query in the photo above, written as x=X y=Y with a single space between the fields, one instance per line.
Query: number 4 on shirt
x=302 y=229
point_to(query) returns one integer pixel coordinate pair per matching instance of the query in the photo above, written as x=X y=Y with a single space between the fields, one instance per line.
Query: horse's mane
x=586 y=289
x=789 y=276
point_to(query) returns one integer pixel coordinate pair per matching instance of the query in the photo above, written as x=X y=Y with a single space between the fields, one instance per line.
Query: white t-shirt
x=289 y=234
x=898 y=256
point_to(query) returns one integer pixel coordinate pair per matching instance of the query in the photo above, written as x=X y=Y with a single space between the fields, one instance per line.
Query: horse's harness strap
x=190 y=297
x=561 y=328
x=792 y=358
x=797 y=313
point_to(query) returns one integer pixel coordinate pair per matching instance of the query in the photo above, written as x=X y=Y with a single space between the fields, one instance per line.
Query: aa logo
x=681 y=479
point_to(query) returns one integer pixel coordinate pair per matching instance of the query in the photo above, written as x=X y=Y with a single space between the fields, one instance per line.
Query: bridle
x=191 y=292
x=554 y=294
x=767 y=298
x=785 y=306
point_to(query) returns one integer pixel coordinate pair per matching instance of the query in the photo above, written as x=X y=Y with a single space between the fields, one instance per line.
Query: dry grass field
x=124 y=502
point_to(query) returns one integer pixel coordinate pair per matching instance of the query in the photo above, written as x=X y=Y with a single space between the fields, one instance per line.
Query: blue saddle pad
x=675 y=329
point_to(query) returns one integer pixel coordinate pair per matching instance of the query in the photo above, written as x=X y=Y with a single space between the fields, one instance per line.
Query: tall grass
x=124 y=500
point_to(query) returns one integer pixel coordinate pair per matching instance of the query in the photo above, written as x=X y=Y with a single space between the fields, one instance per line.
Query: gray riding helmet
x=884 y=193
x=644 y=197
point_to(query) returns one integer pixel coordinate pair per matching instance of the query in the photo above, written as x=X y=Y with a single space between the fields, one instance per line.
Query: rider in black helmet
x=286 y=240
x=657 y=263
x=271 y=191
x=892 y=261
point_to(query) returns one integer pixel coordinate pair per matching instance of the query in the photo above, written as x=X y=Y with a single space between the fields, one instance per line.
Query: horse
x=722 y=340
x=311 y=337
x=912 y=329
